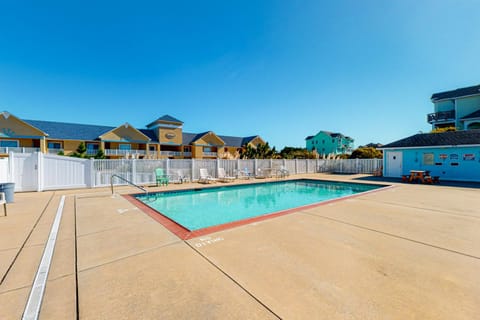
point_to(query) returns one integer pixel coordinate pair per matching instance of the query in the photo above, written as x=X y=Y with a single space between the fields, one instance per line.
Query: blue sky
x=280 y=69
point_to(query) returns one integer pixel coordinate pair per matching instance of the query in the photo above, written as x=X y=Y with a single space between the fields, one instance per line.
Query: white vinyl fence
x=38 y=171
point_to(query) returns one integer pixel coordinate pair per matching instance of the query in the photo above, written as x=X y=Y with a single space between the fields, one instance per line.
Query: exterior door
x=394 y=164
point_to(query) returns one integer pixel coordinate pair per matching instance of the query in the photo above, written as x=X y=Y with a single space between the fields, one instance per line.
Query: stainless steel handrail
x=127 y=181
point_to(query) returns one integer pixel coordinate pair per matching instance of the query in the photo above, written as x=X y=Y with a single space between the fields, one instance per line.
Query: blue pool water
x=201 y=208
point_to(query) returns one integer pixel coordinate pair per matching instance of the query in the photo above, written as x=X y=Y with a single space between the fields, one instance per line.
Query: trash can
x=8 y=188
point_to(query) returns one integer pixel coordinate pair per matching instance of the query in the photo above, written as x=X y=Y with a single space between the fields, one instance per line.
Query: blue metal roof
x=86 y=132
x=70 y=131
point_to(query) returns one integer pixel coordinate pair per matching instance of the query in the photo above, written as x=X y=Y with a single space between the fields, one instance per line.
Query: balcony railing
x=209 y=154
x=121 y=152
x=54 y=150
x=187 y=154
x=171 y=153
x=443 y=116
x=18 y=149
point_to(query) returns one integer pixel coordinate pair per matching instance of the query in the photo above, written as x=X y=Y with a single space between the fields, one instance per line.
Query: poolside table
x=416 y=175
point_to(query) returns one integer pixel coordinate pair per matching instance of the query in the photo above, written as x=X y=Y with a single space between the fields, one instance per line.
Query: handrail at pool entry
x=127 y=181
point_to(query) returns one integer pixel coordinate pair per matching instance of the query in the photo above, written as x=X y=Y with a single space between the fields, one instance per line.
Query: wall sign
x=469 y=157
x=170 y=135
x=453 y=156
x=443 y=156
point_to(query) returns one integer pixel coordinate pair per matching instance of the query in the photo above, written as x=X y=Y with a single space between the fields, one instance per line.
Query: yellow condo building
x=163 y=138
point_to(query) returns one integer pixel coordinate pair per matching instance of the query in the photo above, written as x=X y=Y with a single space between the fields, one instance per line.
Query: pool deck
x=407 y=252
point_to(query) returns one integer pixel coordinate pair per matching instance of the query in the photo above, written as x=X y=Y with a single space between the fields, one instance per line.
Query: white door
x=394 y=164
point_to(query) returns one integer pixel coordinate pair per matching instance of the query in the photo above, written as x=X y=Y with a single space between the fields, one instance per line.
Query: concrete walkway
x=408 y=252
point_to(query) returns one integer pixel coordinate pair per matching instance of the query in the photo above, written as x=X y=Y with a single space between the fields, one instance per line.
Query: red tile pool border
x=185 y=234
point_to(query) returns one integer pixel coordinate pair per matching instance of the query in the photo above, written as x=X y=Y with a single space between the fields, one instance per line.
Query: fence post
x=39 y=171
x=193 y=169
x=11 y=167
x=255 y=167
x=167 y=167
x=296 y=167
x=92 y=173
x=217 y=166
x=134 y=171
x=306 y=165
x=357 y=166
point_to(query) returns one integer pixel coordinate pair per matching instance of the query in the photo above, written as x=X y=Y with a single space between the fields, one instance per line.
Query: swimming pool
x=196 y=209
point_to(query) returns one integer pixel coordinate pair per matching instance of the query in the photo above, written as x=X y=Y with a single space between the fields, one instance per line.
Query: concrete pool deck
x=408 y=252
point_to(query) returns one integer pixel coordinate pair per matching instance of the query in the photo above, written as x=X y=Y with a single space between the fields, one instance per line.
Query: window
x=92 y=146
x=54 y=145
x=124 y=146
x=9 y=143
x=428 y=159
x=323 y=141
x=207 y=149
x=187 y=149
x=152 y=148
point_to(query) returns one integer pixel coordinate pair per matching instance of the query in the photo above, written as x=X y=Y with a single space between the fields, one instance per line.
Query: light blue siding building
x=328 y=143
x=453 y=155
x=449 y=155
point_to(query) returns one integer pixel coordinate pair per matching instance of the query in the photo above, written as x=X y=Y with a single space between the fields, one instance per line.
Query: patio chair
x=205 y=177
x=222 y=176
x=3 y=200
x=161 y=177
x=178 y=177
x=283 y=172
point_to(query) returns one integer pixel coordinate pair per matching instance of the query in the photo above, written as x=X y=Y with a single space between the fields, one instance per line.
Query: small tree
x=100 y=154
x=366 y=153
x=81 y=151
x=445 y=129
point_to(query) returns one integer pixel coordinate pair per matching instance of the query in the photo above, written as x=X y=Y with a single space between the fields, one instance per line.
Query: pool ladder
x=127 y=181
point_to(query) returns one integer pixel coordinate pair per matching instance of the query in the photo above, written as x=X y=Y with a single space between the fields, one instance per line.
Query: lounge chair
x=222 y=176
x=205 y=177
x=3 y=200
x=161 y=177
x=244 y=174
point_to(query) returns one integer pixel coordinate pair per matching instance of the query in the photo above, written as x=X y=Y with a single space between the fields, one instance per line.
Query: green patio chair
x=161 y=177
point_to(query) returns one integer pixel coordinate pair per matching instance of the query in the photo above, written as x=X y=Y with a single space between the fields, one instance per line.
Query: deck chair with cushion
x=205 y=177
x=222 y=176
x=161 y=177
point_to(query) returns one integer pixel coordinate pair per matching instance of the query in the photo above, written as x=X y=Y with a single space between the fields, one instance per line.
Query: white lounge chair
x=205 y=177
x=222 y=176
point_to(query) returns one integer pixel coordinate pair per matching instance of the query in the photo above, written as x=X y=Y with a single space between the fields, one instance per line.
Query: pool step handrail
x=127 y=181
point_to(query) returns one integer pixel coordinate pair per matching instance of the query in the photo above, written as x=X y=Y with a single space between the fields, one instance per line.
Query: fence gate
x=25 y=171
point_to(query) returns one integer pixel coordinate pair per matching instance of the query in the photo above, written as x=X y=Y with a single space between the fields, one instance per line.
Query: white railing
x=187 y=154
x=121 y=152
x=18 y=149
x=209 y=154
x=171 y=153
x=54 y=151
x=48 y=171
